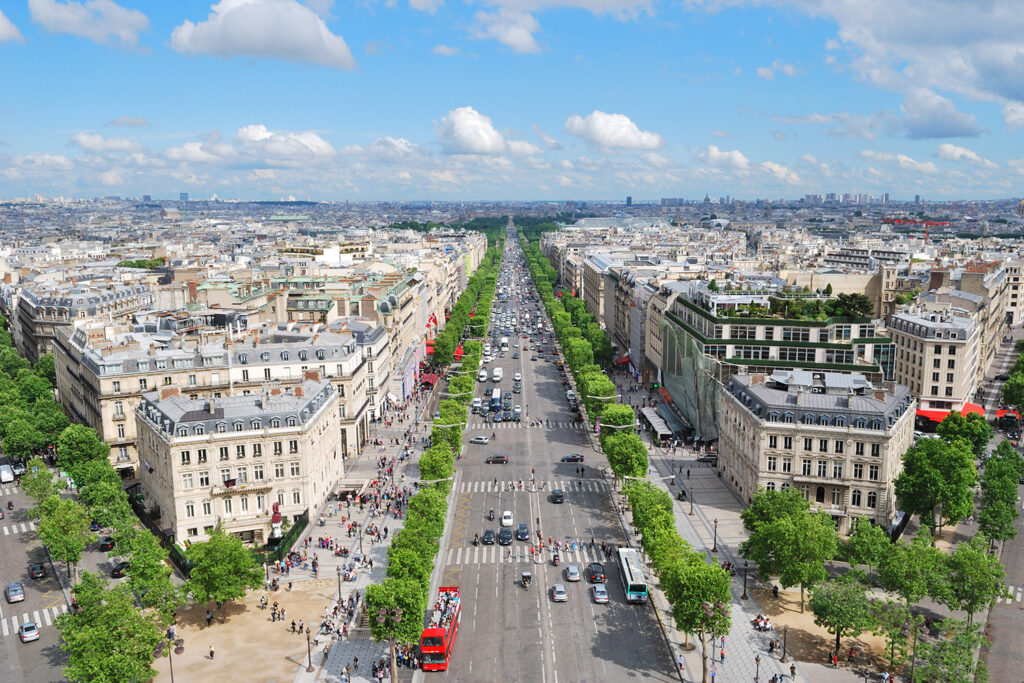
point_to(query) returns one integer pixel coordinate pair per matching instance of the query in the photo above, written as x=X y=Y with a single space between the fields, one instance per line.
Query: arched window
x=285 y=355
x=303 y=355
x=786 y=486
x=320 y=354
x=770 y=486
x=872 y=499
x=200 y=429
x=265 y=357
x=243 y=358
x=819 y=494
x=855 y=498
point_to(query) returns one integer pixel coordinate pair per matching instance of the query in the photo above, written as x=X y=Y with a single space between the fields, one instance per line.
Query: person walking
x=721 y=655
x=209 y=618
x=211 y=653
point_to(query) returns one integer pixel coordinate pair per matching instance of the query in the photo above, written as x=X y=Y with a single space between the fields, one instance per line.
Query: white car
x=518 y=377
x=482 y=377
x=506 y=518
x=600 y=593
x=480 y=439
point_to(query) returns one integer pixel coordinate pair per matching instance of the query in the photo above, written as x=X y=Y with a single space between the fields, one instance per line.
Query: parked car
x=120 y=569
x=14 y=592
x=37 y=571
x=106 y=543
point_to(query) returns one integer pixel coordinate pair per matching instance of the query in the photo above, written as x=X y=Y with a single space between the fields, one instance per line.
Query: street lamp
x=691 y=500
x=714 y=546
x=394 y=617
x=744 y=596
x=309 y=654
x=338 y=569
x=785 y=640
x=179 y=648
x=757 y=670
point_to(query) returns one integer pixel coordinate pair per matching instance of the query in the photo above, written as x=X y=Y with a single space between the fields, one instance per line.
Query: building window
x=951 y=364
x=787 y=464
x=243 y=475
x=244 y=500
x=277 y=448
x=786 y=486
x=120 y=431
x=787 y=418
x=278 y=469
x=143 y=384
x=200 y=430
x=855 y=498
x=837 y=496
x=257 y=450
x=265 y=357
x=770 y=486
x=823 y=445
x=837 y=470
x=261 y=501
x=839 y=446
x=275 y=423
x=873 y=472
x=805 y=467
x=808 y=444
x=204 y=478
x=297 y=497
x=787 y=443
x=117 y=387
x=118 y=409
x=201 y=455
x=823 y=468
x=291 y=421
x=240 y=451
x=819 y=494
x=207 y=508
x=243 y=358
x=935 y=377
x=190 y=510
x=182 y=431
x=952 y=349
x=224 y=453
x=186 y=457
x=858 y=448
x=257 y=472
x=872 y=499
x=228 y=508
x=876 y=450
x=772 y=463
x=858 y=471
x=280 y=497
x=293 y=446
x=266 y=373
x=225 y=474
x=805 y=490
x=773 y=441
x=186 y=480
x=294 y=469
x=238 y=426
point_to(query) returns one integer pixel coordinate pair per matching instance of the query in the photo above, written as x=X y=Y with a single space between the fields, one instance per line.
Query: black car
x=1002 y=377
x=106 y=543
x=497 y=460
x=505 y=536
x=558 y=496
x=507 y=415
x=595 y=572
x=120 y=569
x=523 y=532
x=572 y=457
x=36 y=571
x=488 y=538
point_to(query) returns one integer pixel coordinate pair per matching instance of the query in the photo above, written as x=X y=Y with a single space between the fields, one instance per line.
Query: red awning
x=430 y=343
x=430 y=379
x=1005 y=413
x=940 y=415
x=622 y=361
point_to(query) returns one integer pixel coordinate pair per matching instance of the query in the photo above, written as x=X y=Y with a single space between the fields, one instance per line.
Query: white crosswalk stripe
x=526 y=425
x=569 y=486
x=46 y=617
x=19 y=528
x=8 y=490
x=495 y=554
x=1016 y=594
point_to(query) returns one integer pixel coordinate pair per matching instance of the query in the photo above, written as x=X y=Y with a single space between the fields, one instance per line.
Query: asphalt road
x=513 y=633
x=40 y=661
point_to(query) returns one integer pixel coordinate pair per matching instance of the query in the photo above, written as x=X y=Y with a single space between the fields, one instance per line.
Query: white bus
x=504 y=343
x=633 y=582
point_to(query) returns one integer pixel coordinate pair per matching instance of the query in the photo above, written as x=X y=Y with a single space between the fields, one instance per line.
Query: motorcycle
x=10 y=505
x=476 y=539
x=555 y=560
x=490 y=515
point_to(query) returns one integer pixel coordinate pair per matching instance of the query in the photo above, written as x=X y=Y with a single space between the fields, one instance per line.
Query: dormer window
x=320 y=354
x=291 y=421
x=303 y=355
x=238 y=426
x=255 y=424
x=243 y=358
x=222 y=428
x=275 y=423
x=823 y=420
x=808 y=419
x=285 y=355
x=265 y=357
x=860 y=423
x=200 y=429
x=182 y=431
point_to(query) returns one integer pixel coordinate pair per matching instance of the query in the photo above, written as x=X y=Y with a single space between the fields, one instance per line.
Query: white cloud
x=101 y=21
x=128 y=122
x=275 y=29
x=781 y=172
x=900 y=160
x=8 y=31
x=719 y=134
x=510 y=27
x=831 y=44
x=113 y=177
x=323 y=8
x=283 y=146
x=724 y=159
x=778 y=65
x=1013 y=114
x=843 y=124
x=765 y=73
x=91 y=142
x=467 y=131
x=657 y=160
x=549 y=142
x=930 y=115
x=445 y=50
x=956 y=153
x=523 y=148
x=426 y=5
x=611 y=131
x=210 y=152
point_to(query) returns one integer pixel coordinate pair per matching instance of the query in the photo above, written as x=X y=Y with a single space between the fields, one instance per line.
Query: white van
x=6 y=474
x=482 y=376
x=498 y=374
x=477 y=402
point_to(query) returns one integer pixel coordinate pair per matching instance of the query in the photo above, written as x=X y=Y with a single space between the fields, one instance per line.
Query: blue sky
x=511 y=99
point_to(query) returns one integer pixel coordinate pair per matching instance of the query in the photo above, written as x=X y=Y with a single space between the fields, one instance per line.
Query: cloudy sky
x=511 y=99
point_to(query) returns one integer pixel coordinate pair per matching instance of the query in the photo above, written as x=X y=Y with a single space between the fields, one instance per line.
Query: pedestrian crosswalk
x=568 y=485
x=526 y=425
x=42 y=618
x=18 y=528
x=9 y=490
x=497 y=554
x=1015 y=594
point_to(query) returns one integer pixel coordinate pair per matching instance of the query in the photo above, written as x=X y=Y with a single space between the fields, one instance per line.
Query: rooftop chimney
x=298 y=391
x=213 y=406
x=167 y=392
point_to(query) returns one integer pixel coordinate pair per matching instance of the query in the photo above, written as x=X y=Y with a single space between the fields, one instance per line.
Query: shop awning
x=392 y=398
x=622 y=361
x=1007 y=413
x=659 y=426
x=940 y=415
x=675 y=423
x=430 y=379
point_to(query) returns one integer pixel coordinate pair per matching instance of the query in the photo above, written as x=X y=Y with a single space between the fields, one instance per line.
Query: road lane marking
x=46 y=617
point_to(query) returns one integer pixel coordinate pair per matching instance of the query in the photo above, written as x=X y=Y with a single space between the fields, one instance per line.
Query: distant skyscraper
x=147 y=198
x=917 y=199
x=183 y=197
x=885 y=198
x=629 y=201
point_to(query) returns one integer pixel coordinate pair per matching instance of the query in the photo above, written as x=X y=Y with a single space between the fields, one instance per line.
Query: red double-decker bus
x=439 y=635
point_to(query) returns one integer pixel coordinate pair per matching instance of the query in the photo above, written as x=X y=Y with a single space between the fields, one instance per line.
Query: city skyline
x=510 y=99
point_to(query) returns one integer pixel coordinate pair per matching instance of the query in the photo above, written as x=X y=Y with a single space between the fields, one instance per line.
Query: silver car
x=572 y=573
x=28 y=632
x=599 y=592
x=14 y=592
x=559 y=593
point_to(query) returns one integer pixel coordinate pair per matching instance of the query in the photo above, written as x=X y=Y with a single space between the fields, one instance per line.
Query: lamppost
x=785 y=640
x=309 y=653
x=757 y=670
x=394 y=617
x=714 y=546
x=338 y=569
x=744 y=596
x=691 y=500
x=711 y=610
x=179 y=648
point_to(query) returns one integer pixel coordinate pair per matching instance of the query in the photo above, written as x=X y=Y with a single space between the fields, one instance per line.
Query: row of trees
x=587 y=352
x=472 y=310
x=789 y=541
x=698 y=591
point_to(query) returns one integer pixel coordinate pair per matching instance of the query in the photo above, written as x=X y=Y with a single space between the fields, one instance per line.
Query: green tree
x=404 y=563
x=45 y=368
x=108 y=640
x=868 y=543
x=107 y=503
x=617 y=415
x=795 y=547
x=49 y=418
x=22 y=440
x=1013 y=389
x=998 y=513
x=11 y=362
x=828 y=289
x=842 y=608
x=627 y=455
x=975 y=577
x=699 y=595
x=914 y=570
x=713 y=286
x=891 y=621
x=77 y=445
x=973 y=429
x=149 y=576
x=32 y=387
x=406 y=594
x=950 y=658
x=40 y=482
x=768 y=506
x=936 y=481
x=437 y=463
x=222 y=569
x=64 y=529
